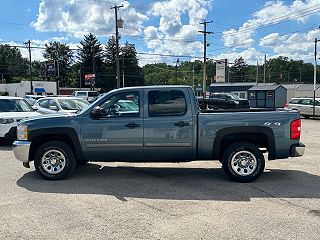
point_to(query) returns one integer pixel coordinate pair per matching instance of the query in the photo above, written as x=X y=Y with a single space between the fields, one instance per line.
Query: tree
x=90 y=54
x=12 y=64
x=111 y=68
x=132 y=72
x=61 y=55
x=239 y=70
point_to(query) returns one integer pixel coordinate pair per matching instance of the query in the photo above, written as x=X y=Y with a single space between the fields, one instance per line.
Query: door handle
x=132 y=125
x=181 y=124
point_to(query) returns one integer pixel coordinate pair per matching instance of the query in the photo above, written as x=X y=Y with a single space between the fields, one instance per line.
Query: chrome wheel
x=53 y=161
x=244 y=163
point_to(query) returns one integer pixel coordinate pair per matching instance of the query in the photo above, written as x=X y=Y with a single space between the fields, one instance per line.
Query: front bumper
x=21 y=150
x=297 y=150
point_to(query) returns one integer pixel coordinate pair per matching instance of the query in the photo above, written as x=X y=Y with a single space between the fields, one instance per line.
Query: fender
x=244 y=130
x=59 y=131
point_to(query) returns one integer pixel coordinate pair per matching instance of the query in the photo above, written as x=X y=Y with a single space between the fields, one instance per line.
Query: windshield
x=14 y=105
x=72 y=104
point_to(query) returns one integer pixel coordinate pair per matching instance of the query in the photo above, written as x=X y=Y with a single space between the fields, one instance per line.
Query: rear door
x=168 y=125
x=305 y=107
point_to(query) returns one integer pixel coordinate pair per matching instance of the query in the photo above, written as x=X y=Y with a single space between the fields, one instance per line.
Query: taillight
x=286 y=105
x=295 y=129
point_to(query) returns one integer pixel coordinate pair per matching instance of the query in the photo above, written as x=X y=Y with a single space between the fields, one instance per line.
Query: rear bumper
x=21 y=150
x=297 y=150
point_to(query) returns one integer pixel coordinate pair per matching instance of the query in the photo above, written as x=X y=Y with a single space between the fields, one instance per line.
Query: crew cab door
x=118 y=134
x=168 y=125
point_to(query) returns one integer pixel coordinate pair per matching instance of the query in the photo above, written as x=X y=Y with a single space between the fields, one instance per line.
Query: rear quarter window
x=166 y=103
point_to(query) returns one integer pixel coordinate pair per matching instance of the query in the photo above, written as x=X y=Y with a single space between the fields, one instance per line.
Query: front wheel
x=243 y=162
x=54 y=160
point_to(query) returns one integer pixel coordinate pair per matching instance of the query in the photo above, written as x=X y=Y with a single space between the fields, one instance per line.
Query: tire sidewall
x=65 y=150
x=234 y=149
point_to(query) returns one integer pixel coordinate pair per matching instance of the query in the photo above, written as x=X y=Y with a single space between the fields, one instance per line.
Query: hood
x=18 y=115
x=47 y=116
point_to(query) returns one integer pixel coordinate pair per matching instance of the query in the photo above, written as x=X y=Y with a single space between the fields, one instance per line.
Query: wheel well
x=258 y=139
x=42 y=139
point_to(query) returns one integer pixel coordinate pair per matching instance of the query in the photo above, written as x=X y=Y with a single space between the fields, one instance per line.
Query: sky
x=167 y=30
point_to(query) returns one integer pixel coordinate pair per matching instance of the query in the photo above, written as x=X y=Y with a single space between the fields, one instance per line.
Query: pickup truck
x=157 y=124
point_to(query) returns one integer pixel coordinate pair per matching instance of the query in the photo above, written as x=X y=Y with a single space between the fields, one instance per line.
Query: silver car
x=305 y=106
x=64 y=105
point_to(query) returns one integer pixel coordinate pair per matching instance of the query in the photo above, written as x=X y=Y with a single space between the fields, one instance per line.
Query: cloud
x=295 y=45
x=83 y=17
x=272 y=13
x=179 y=22
x=250 y=55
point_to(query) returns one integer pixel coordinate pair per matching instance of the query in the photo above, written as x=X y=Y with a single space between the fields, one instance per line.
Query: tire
x=54 y=160
x=246 y=170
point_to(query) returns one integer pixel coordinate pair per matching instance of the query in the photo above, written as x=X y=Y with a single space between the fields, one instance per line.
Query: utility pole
x=204 y=55
x=117 y=43
x=264 y=68
x=177 y=70
x=79 y=77
x=315 y=76
x=28 y=44
x=257 y=76
x=193 y=86
x=93 y=66
x=123 y=66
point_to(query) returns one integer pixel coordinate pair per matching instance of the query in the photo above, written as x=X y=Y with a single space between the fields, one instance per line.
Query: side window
x=81 y=94
x=306 y=102
x=44 y=103
x=294 y=101
x=166 y=103
x=126 y=104
x=52 y=103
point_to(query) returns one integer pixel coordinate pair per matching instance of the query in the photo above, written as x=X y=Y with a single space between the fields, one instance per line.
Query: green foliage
x=11 y=63
x=90 y=54
x=133 y=75
x=61 y=55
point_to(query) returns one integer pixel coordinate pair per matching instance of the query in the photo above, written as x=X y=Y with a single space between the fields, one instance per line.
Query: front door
x=168 y=127
x=118 y=134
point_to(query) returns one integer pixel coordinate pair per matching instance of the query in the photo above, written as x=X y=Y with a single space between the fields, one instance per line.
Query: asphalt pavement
x=164 y=201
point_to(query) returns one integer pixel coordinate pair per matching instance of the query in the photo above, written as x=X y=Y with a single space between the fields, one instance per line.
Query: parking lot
x=164 y=201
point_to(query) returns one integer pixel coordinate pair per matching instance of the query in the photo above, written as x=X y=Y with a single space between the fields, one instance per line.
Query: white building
x=24 y=88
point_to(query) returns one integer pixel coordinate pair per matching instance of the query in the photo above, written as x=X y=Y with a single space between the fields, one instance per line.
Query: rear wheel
x=54 y=160
x=243 y=162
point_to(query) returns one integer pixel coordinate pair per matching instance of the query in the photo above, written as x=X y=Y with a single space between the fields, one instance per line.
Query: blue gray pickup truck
x=158 y=124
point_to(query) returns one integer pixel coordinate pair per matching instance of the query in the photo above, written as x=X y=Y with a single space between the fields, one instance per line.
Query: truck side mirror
x=98 y=112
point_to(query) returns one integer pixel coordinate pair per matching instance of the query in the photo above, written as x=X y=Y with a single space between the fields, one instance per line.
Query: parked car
x=90 y=96
x=305 y=106
x=31 y=99
x=64 y=105
x=219 y=101
x=166 y=126
x=12 y=110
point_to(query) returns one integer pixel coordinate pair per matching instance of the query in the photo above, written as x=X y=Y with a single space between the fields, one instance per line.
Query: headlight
x=22 y=132
x=236 y=102
x=6 y=120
